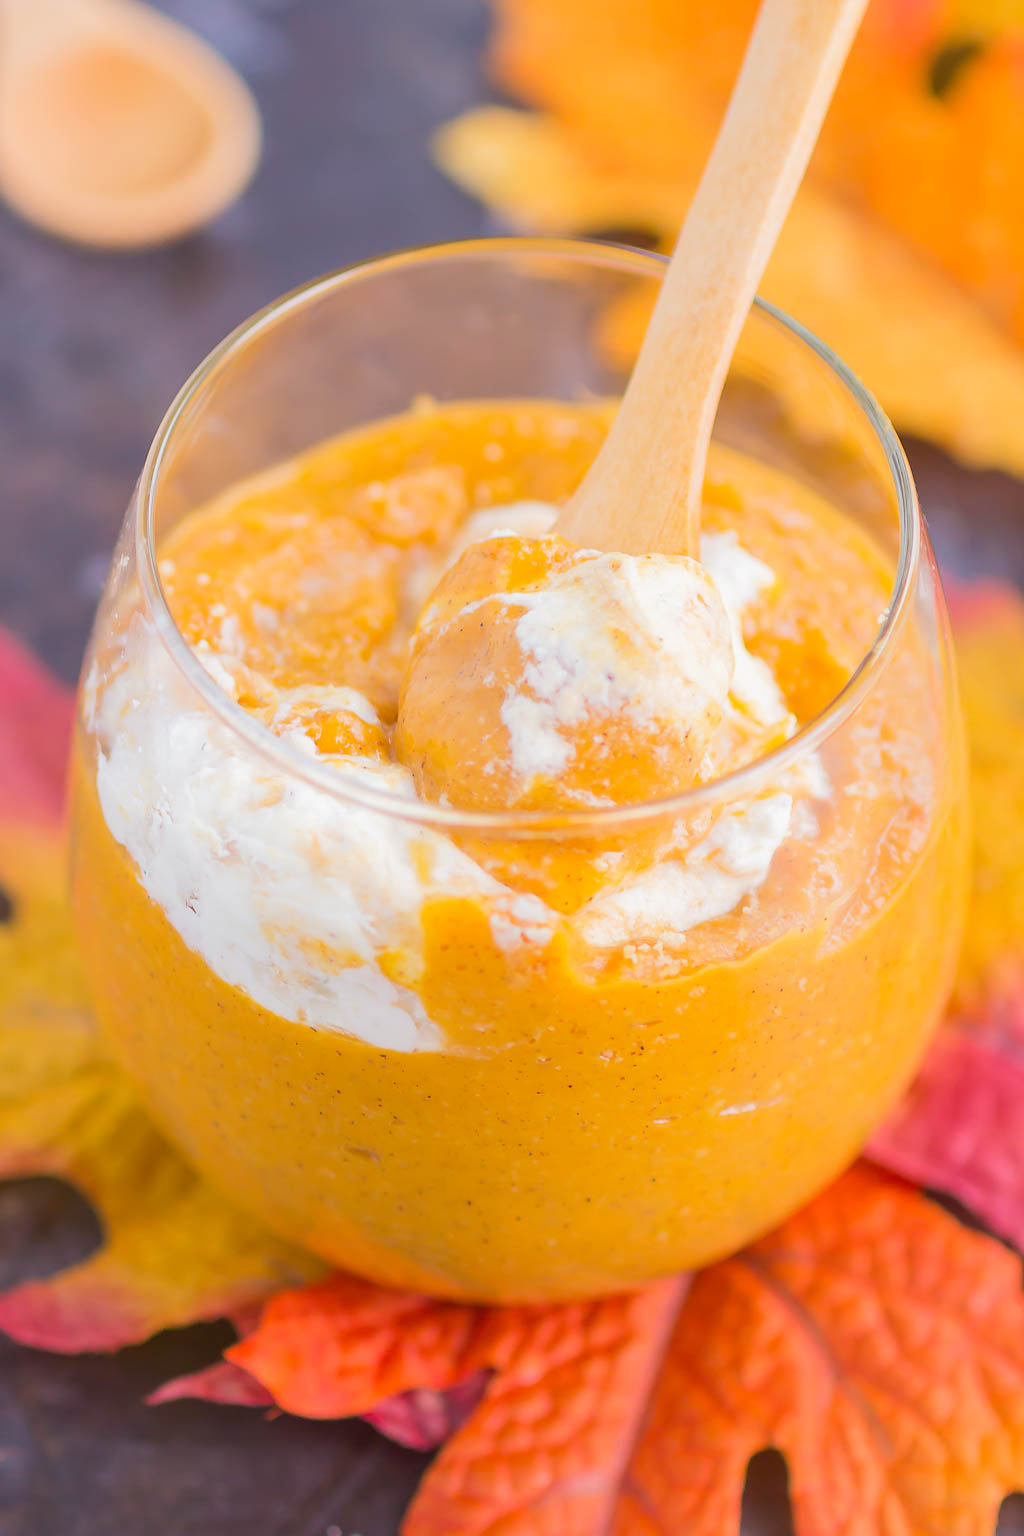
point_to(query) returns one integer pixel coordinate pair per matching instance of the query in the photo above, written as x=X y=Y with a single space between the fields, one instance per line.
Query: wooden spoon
x=118 y=126
x=643 y=490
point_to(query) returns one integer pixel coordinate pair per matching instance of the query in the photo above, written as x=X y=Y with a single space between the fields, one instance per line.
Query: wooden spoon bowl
x=118 y=126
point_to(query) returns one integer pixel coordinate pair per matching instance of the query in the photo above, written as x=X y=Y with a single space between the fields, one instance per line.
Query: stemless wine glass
x=477 y=1118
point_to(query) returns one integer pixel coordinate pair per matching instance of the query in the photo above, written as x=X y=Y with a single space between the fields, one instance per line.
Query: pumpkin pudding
x=503 y=933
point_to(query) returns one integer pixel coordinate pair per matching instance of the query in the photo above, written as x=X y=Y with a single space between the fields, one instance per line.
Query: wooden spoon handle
x=643 y=490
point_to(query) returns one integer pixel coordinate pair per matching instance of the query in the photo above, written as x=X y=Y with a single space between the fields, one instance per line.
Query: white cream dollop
x=617 y=638
x=676 y=894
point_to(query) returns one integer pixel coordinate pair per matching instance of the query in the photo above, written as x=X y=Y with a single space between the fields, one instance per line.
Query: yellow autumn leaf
x=988 y=623
x=174 y=1250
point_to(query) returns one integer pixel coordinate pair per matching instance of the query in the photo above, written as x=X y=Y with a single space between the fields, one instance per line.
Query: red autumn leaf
x=961 y=1129
x=421 y=1419
x=424 y=1419
x=872 y=1339
x=221 y=1382
x=34 y=739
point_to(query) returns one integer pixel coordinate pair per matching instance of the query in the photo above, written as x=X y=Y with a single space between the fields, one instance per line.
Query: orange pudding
x=482 y=969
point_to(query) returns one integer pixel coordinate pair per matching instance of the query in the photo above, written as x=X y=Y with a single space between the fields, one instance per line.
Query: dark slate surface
x=93 y=347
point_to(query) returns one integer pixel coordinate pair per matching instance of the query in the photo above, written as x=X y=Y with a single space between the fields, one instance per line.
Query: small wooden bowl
x=118 y=126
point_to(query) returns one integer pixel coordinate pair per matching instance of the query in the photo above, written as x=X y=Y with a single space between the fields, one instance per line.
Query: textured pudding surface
x=492 y=1064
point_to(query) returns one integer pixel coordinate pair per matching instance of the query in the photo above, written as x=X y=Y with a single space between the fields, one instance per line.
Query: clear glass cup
x=538 y=1126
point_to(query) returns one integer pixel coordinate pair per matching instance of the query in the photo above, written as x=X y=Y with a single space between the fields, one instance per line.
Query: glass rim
x=332 y=780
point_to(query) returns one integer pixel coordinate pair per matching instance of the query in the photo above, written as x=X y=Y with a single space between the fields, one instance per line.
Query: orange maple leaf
x=644 y=83
x=872 y=1339
x=877 y=1344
